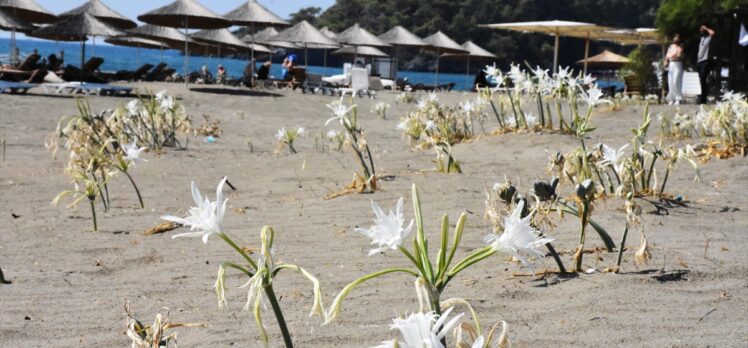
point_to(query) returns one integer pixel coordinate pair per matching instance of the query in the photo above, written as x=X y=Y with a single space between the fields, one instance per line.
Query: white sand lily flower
x=588 y=79
x=422 y=104
x=300 y=131
x=133 y=107
x=168 y=103
x=614 y=157
x=531 y=119
x=594 y=96
x=160 y=95
x=423 y=330
x=281 y=134
x=430 y=126
x=340 y=113
x=519 y=237
x=205 y=218
x=388 y=231
x=433 y=97
x=492 y=70
x=333 y=133
x=132 y=152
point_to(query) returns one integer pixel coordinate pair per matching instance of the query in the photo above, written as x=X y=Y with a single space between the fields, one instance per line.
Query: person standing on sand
x=674 y=62
x=703 y=62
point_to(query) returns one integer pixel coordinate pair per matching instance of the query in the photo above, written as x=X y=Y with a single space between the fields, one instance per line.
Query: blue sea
x=127 y=58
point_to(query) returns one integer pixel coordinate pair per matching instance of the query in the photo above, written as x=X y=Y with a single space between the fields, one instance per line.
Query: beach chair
x=86 y=88
x=447 y=87
x=691 y=85
x=165 y=74
x=126 y=75
x=632 y=85
x=375 y=83
x=151 y=76
x=314 y=83
x=297 y=80
x=29 y=63
x=15 y=87
x=74 y=73
x=359 y=84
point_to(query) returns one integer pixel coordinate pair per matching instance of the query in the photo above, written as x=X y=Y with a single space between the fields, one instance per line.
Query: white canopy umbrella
x=556 y=28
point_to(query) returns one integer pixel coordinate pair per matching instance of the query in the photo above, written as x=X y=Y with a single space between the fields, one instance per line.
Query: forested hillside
x=460 y=19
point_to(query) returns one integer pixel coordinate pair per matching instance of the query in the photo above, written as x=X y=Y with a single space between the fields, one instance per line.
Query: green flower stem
x=582 y=234
x=609 y=244
x=496 y=112
x=468 y=261
x=622 y=246
x=137 y=191
x=514 y=111
x=455 y=243
x=618 y=178
x=651 y=169
x=290 y=147
x=664 y=182
x=557 y=258
x=410 y=257
x=278 y=315
x=422 y=244
x=237 y=267
x=93 y=213
x=238 y=249
x=442 y=256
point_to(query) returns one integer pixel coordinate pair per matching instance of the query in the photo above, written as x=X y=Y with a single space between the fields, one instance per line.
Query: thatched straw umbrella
x=27 y=11
x=473 y=51
x=356 y=36
x=187 y=14
x=306 y=36
x=137 y=42
x=251 y=14
x=441 y=43
x=401 y=37
x=77 y=28
x=103 y=13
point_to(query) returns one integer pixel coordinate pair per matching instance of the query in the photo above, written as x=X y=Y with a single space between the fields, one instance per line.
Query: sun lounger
x=431 y=88
x=314 y=83
x=297 y=81
x=359 y=84
x=74 y=73
x=165 y=74
x=29 y=63
x=151 y=76
x=86 y=88
x=133 y=75
x=15 y=87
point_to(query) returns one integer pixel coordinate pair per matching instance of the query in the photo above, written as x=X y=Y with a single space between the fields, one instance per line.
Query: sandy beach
x=70 y=285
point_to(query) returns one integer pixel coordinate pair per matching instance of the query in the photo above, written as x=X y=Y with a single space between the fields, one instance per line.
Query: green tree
x=309 y=14
x=684 y=17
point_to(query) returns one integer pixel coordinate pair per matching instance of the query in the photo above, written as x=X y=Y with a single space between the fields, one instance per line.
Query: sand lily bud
x=506 y=192
x=205 y=217
x=388 y=231
x=519 y=237
x=586 y=190
x=544 y=190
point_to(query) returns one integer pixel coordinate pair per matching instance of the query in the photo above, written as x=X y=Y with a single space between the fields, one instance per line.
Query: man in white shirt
x=703 y=60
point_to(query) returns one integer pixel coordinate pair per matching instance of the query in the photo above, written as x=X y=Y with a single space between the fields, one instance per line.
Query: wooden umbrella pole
x=555 y=54
x=586 y=53
x=467 y=72
x=83 y=60
x=436 y=76
x=186 y=53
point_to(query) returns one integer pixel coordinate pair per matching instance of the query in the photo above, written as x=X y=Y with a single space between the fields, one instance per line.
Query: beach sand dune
x=70 y=285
